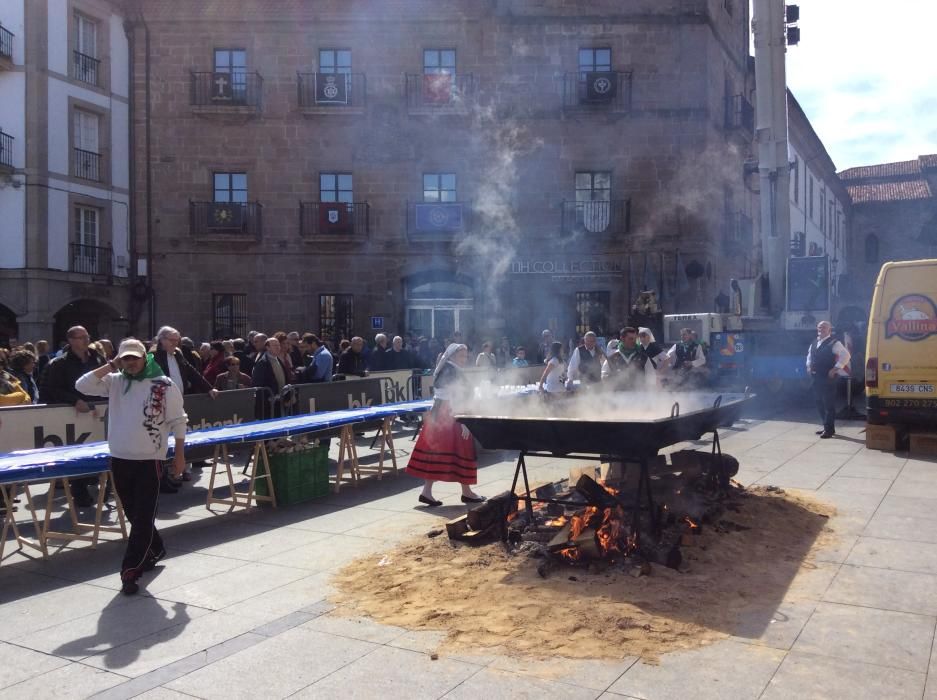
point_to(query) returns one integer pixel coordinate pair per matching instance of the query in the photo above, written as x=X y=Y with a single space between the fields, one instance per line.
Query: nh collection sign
x=567 y=267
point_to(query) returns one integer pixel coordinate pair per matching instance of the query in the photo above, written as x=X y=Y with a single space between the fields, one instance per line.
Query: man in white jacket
x=145 y=407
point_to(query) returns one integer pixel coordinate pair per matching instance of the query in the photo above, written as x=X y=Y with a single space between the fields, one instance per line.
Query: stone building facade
x=64 y=168
x=894 y=217
x=494 y=167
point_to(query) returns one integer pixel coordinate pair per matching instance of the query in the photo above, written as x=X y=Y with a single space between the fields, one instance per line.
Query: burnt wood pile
x=593 y=518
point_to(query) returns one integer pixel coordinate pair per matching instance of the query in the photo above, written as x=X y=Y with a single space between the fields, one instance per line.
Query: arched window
x=871 y=249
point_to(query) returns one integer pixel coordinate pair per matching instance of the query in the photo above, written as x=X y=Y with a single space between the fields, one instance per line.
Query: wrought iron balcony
x=91 y=260
x=739 y=114
x=597 y=217
x=238 y=219
x=226 y=89
x=6 y=47
x=86 y=165
x=86 y=68
x=334 y=221
x=331 y=92
x=437 y=221
x=597 y=91
x=439 y=91
x=6 y=151
x=739 y=233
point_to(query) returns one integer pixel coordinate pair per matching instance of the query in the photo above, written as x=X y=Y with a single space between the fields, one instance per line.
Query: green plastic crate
x=297 y=476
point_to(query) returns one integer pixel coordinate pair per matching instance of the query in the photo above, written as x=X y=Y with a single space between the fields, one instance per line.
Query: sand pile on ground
x=485 y=597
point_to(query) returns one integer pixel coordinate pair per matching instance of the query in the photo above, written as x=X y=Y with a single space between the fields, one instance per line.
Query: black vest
x=590 y=367
x=822 y=357
x=625 y=374
x=686 y=353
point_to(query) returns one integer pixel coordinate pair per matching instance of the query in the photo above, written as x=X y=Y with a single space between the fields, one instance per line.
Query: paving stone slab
x=723 y=671
x=104 y=632
x=340 y=624
x=493 y=684
x=809 y=677
x=855 y=633
x=275 y=603
x=232 y=586
x=860 y=485
x=18 y=664
x=72 y=681
x=894 y=554
x=595 y=674
x=390 y=673
x=909 y=506
x=174 y=643
x=331 y=553
x=781 y=631
x=47 y=608
x=274 y=668
x=869 y=470
x=885 y=589
x=898 y=527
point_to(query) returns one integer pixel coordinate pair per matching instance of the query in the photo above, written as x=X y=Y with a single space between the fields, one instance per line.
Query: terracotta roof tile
x=890 y=191
x=904 y=167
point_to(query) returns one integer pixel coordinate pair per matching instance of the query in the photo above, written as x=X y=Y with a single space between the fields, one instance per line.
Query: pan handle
x=718 y=402
x=675 y=409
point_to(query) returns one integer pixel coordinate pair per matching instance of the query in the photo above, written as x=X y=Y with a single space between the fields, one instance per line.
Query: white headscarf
x=650 y=335
x=447 y=355
x=611 y=347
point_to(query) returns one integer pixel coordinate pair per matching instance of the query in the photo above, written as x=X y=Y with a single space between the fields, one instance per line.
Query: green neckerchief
x=626 y=352
x=150 y=370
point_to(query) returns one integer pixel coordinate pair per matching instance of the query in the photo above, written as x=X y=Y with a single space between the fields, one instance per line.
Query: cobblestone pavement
x=239 y=608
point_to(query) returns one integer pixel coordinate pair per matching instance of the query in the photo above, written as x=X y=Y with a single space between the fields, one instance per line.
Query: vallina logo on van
x=913 y=317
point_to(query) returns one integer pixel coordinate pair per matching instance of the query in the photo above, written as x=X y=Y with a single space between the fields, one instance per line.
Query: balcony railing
x=437 y=221
x=440 y=91
x=739 y=232
x=331 y=91
x=334 y=221
x=86 y=68
x=6 y=43
x=597 y=217
x=597 y=91
x=226 y=219
x=6 y=150
x=86 y=165
x=91 y=260
x=740 y=114
x=221 y=89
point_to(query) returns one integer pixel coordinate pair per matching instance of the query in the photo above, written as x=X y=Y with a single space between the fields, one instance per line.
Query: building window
x=229 y=316
x=335 y=187
x=823 y=213
x=233 y=62
x=595 y=61
x=831 y=219
x=592 y=312
x=335 y=61
x=727 y=6
x=439 y=187
x=796 y=180
x=593 y=186
x=871 y=249
x=86 y=226
x=86 y=146
x=86 y=63
x=336 y=317
x=230 y=187
x=439 y=62
x=810 y=185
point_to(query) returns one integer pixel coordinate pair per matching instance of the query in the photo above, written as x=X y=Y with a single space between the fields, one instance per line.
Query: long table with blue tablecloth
x=23 y=467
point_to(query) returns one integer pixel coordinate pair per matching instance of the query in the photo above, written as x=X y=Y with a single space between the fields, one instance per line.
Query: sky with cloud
x=865 y=72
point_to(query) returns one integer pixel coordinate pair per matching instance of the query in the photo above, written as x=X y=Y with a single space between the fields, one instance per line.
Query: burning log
x=494 y=511
x=561 y=540
x=696 y=462
x=595 y=494
x=587 y=544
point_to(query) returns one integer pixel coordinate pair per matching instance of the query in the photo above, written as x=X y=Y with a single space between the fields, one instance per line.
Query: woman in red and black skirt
x=445 y=450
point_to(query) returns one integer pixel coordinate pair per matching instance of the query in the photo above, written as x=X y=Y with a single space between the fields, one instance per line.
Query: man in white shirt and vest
x=827 y=360
x=145 y=407
x=585 y=363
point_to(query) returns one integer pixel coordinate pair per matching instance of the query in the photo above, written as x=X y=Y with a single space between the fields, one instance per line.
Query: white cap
x=131 y=347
